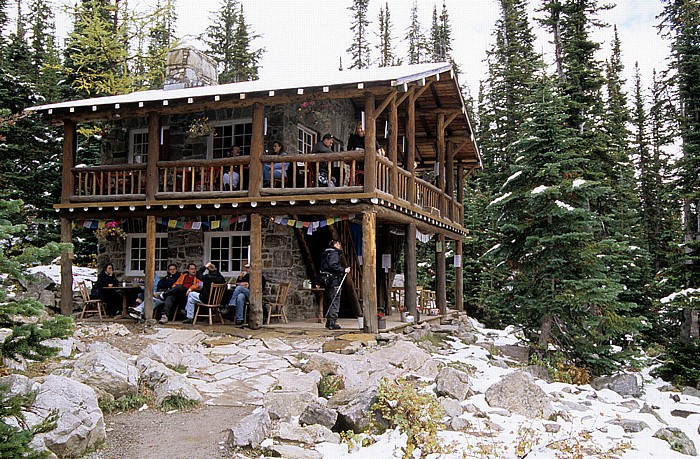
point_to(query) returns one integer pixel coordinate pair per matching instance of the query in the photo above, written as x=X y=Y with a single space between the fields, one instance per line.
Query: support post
x=441 y=163
x=257 y=149
x=150 y=264
x=369 y=271
x=450 y=180
x=440 y=284
x=152 y=160
x=256 y=293
x=459 y=277
x=370 y=178
x=67 y=184
x=411 y=154
x=66 y=269
x=409 y=269
x=393 y=146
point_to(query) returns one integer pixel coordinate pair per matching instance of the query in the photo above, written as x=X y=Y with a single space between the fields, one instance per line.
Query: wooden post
x=66 y=269
x=370 y=178
x=440 y=284
x=257 y=148
x=460 y=191
x=459 y=277
x=450 y=179
x=150 y=262
x=67 y=185
x=409 y=269
x=256 y=292
x=369 y=271
x=151 y=162
x=393 y=145
x=411 y=155
x=441 y=162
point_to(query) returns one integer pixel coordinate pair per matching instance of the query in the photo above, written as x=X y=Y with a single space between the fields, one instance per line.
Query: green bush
x=329 y=385
x=128 y=402
x=681 y=363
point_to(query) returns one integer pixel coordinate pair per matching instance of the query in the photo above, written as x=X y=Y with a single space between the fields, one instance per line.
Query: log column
x=66 y=269
x=440 y=281
x=150 y=262
x=440 y=169
x=256 y=293
x=409 y=268
x=257 y=149
x=393 y=146
x=411 y=154
x=67 y=185
x=369 y=271
x=459 y=270
x=370 y=178
x=151 y=162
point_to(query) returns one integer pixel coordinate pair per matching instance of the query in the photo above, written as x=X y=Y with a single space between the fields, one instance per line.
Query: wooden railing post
x=67 y=184
x=152 y=158
x=370 y=185
x=257 y=148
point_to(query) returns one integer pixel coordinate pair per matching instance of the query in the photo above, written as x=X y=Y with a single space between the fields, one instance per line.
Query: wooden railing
x=125 y=180
x=193 y=176
x=318 y=170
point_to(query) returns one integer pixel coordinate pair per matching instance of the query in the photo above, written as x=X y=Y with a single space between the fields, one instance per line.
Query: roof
x=444 y=95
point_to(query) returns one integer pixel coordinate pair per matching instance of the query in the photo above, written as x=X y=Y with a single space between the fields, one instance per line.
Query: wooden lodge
x=178 y=204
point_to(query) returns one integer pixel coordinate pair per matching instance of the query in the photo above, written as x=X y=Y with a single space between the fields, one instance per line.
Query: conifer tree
x=47 y=70
x=161 y=39
x=359 y=49
x=387 y=56
x=415 y=38
x=245 y=64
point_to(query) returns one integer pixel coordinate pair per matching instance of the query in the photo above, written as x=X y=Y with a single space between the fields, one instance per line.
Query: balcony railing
x=327 y=173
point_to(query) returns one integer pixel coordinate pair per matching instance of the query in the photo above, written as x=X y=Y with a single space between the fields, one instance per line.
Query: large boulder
x=678 y=440
x=308 y=434
x=80 y=425
x=304 y=382
x=250 y=430
x=624 y=384
x=315 y=413
x=518 y=393
x=354 y=408
x=452 y=383
x=168 y=354
x=19 y=385
x=154 y=373
x=107 y=373
x=176 y=386
x=285 y=405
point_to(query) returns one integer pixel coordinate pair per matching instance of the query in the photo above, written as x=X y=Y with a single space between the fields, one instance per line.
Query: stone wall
x=188 y=67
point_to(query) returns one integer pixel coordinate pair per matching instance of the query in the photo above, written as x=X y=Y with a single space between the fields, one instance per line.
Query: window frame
x=208 y=235
x=302 y=141
x=129 y=245
x=245 y=149
x=140 y=131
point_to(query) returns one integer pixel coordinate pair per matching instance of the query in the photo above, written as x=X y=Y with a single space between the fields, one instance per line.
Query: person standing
x=334 y=270
x=208 y=274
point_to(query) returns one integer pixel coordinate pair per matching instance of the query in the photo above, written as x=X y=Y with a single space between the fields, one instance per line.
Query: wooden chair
x=90 y=305
x=276 y=307
x=216 y=295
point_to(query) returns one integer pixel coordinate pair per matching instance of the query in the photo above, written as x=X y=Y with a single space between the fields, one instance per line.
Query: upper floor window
x=228 y=250
x=136 y=254
x=306 y=139
x=226 y=134
x=138 y=145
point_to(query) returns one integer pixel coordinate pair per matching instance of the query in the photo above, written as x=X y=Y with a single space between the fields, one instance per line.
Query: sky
x=310 y=35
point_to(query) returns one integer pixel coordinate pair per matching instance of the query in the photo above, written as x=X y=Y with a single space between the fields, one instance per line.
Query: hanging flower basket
x=309 y=106
x=201 y=127
x=111 y=232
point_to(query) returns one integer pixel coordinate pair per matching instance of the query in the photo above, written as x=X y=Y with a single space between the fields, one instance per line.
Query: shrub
x=128 y=402
x=329 y=385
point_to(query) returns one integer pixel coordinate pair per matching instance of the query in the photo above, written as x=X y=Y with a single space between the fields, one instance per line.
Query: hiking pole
x=337 y=292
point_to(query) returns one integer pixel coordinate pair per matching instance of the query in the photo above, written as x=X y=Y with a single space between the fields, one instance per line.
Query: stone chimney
x=188 y=67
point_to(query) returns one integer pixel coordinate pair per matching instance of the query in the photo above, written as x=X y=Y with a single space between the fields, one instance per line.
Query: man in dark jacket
x=208 y=274
x=334 y=271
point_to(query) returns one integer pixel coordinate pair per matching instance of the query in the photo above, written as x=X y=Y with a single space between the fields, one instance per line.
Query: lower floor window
x=229 y=251
x=136 y=254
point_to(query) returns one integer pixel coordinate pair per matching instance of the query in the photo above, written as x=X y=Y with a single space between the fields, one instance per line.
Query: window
x=238 y=132
x=136 y=254
x=307 y=139
x=227 y=250
x=138 y=146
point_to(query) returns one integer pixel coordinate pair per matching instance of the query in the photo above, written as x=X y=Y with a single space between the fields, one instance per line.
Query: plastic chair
x=276 y=307
x=90 y=305
x=216 y=296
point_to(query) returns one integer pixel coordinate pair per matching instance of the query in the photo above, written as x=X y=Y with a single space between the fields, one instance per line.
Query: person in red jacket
x=186 y=283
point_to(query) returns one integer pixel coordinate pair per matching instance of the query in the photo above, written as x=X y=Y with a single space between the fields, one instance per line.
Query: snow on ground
x=53 y=271
x=584 y=424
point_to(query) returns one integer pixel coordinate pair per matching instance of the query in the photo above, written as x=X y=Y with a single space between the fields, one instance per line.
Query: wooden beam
x=451 y=118
x=393 y=146
x=411 y=154
x=409 y=268
x=150 y=264
x=369 y=271
x=405 y=95
x=441 y=161
x=450 y=177
x=460 y=191
x=256 y=293
x=459 y=276
x=370 y=178
x=153 y=156
x=66 y=269
x=69 y=139
x=382 y=106
x=257 y=149
x=420 y=91
x=440 y=270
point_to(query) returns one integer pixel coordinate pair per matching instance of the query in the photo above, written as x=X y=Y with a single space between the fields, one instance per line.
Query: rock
x=353 y=407
x=691 y=391
x=538 y=372
x=518 y=393
x=630 y=425
x=176 y=386
x=20 y=364
x=304 y=382
x=519 y=354
x=19 y=384
x=574 y=406
x=647 y=409
x=451 y=407
x=64 y=346
x=285 y=405
x=459 y=424
x=105 y=371
x=310 y=434
x=678 y=440
x=154 y=373
x=168 y=354
x=551 y=427
x=453 y=383
x=295 y=452
x=630 y=404
x=406 y=356
x=195 y=361
x=251 y=430
x=624 y=384
x=80 y=425
x=315 y=413
x=36 y=283
x=682 y=413
x=499 y=363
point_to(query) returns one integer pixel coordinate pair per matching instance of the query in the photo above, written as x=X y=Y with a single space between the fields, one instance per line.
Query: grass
x=329 y=385
x=128 y=402
x=178 y=402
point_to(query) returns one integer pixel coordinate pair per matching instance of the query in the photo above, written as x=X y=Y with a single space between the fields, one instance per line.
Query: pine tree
x=415 y=38
x=245 y=60
x=161 y=39
x=47 y=69
x=359 y=49
x=387 y=56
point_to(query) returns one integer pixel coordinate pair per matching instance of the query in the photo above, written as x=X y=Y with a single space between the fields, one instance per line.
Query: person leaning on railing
x=278 y=171
x=324 y=146
x=230 y=181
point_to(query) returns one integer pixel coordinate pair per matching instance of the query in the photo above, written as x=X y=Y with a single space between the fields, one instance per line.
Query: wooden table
x=124 y=288
x=321 y=295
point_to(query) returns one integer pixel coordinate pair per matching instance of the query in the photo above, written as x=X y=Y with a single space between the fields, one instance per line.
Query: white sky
x=303 y=35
